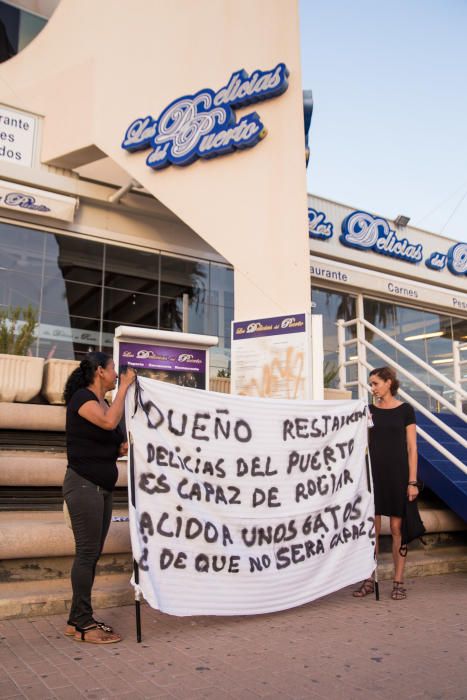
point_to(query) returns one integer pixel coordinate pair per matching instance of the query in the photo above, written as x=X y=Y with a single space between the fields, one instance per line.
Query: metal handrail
x=434 y=394
x=424 y=365
x=361 y=363
x=359 y=322
x=437 y=445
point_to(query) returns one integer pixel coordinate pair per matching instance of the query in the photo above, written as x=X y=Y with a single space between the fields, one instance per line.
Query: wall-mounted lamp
x=401 y=220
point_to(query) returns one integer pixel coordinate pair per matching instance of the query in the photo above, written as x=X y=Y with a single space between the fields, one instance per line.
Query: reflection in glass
x=130 y=308
x=332 y=306
x=181 y=277
x=74 y=259
x=134 y=270
x=84 y=289
x=427 y=335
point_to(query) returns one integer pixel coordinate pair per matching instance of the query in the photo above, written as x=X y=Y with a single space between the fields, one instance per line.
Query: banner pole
x=137 y=602
x=375 y=575
x=135 y=563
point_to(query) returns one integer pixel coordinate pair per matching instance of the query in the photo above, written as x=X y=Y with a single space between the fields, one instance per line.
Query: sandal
x=398 y=591
x=367 y=587
x=70 y=628
x=98 y=637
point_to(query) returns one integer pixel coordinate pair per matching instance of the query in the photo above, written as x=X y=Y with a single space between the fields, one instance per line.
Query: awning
x=38 y=202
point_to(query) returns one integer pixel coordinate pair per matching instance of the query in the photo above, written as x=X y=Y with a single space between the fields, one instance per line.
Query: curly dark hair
x=83 y=375
x=386 y=373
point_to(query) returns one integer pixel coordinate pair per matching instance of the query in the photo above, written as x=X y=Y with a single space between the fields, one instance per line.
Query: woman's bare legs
x=398 y=592
x=399 y=562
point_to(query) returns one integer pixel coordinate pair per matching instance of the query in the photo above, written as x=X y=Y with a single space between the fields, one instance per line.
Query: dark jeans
x=90 y=509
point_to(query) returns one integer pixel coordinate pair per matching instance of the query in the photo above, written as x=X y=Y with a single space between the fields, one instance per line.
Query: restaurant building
x=91 y=246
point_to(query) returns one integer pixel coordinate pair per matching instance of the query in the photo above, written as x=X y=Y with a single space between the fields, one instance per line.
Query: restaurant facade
x=165 y=205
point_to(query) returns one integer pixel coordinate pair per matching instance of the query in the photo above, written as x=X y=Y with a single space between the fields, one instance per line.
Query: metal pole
x=135 y=563
x=361 y=350
x=456 y=355
x=341 y=355
x=137 y=602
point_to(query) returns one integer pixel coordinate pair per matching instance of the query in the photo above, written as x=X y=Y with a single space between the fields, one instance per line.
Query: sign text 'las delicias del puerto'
x=205 y=125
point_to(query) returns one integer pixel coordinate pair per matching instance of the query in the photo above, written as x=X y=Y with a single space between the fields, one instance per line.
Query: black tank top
x=92 y=451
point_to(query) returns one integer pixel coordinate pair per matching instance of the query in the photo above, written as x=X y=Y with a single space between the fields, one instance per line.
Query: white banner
x=243 y=505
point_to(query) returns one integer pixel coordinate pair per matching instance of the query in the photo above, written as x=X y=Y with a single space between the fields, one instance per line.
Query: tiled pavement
x=335 y=648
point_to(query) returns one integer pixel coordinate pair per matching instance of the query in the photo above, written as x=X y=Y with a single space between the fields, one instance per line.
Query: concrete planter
x=20 y=377
x=220 y=384
x=56 y=373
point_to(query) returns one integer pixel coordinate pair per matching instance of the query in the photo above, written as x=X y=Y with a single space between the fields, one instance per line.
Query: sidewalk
x=335 y=648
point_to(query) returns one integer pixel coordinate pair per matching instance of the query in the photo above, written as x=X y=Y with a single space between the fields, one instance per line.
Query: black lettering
x=287 y=427
x=176 y=431
x=243 y=425
x=202 y=563
x=198 y=427
x=333 y=510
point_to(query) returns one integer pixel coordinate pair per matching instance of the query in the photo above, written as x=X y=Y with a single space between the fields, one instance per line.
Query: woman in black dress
x=94 y=442
x=393 y=455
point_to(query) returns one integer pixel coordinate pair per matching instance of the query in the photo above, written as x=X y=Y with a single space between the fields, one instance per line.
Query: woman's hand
x=123 y=449
x=412 y=492
x=127 y=377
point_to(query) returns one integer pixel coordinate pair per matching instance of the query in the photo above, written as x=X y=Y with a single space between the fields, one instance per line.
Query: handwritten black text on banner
x=246 y=505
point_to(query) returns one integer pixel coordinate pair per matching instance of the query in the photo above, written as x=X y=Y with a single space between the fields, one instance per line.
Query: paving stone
x=332 y=649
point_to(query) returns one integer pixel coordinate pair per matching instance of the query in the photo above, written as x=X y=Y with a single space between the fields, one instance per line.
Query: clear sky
x=389 y=127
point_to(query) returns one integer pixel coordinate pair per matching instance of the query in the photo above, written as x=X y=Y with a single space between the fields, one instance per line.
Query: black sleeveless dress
x=389 y=458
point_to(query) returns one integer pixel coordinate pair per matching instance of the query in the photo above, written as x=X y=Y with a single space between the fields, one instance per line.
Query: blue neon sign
x=367 y=232
x=457 y=259
x=204 y=125
x=436 y=261
x=318 y=226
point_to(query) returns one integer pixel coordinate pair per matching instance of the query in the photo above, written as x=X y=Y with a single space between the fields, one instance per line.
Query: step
x=50 y=597
x=26 y=416
x=426 y=562
x=39 y=468
x=32 y=534
x=47 y=568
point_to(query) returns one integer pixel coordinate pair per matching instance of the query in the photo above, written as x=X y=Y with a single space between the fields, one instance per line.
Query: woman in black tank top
x=94 y=442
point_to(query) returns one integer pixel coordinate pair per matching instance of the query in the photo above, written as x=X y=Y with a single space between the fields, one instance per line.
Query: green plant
x=330 y=372
x=16 y=336
x=223 y=373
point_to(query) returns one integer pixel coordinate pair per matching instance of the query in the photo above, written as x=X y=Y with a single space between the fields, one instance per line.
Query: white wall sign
x=271 y=357
x=27 y=200
x=388 y=285
x=244 y=506
x=17 y=137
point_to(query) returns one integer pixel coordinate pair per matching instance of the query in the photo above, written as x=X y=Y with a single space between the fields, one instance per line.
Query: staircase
x=443 y=477
x=441 y=436
x=36 y=546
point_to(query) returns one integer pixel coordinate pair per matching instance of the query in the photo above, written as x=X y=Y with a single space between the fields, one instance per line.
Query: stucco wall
x=98 y=66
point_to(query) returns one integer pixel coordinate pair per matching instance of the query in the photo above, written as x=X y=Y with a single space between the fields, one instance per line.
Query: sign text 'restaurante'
x=204 y=125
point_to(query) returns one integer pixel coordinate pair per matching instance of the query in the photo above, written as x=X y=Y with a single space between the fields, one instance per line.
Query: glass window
x=130 y=308
x=74 y=259
x=333 y=306
x=221 y=285
x=21 y=250
x=134 y=270
x=84 y=289
x=427 y=335
x=17 y=29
